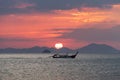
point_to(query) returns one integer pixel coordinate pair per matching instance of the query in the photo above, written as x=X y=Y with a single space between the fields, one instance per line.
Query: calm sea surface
x=42 y=67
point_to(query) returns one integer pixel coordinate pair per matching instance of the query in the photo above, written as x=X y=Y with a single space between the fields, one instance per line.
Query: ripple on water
x=84 y=67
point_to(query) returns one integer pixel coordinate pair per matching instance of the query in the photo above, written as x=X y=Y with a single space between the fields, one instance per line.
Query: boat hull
x=64 y=56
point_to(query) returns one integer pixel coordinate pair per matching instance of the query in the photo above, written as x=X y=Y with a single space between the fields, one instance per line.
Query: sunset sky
x=75 y=23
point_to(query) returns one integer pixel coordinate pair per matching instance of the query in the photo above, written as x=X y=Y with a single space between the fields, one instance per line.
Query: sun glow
x=58 y=45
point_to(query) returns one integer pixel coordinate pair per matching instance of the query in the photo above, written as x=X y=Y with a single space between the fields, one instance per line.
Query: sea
x=43 y=67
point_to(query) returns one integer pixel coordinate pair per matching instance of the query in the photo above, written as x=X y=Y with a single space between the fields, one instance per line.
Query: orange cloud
x=40 y=25
x=115 y=13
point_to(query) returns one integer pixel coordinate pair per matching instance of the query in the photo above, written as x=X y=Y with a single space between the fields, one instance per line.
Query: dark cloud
x=11 y=6
x=6 y=3
x=7 y=6
x=94 y=34
x=69 y=4
x=15 y=39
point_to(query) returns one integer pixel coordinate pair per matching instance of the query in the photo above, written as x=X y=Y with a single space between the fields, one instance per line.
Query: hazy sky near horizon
x=75 y=23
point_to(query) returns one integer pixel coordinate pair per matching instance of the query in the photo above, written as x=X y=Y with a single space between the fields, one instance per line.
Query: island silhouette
x=91 y=48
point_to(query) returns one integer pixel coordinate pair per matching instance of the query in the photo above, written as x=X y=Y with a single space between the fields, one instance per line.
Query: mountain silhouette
x=97 y=48
x=62 y=50
x=91 y=48
x=35 y=49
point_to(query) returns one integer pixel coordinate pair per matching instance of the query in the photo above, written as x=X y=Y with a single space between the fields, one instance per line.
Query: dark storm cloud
x=7 y=6
x=93 y=34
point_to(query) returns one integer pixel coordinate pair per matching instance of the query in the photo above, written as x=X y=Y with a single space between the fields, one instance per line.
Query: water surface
x=42 y=67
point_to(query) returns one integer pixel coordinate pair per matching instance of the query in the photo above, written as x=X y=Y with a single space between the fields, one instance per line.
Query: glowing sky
x=75 y=23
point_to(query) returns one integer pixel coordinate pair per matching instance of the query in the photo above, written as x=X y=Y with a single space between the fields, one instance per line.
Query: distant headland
x=91 y=48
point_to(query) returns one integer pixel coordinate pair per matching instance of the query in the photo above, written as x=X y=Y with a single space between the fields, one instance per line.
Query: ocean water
x=43 y=67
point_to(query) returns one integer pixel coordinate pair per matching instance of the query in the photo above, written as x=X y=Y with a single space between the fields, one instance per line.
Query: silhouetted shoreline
x=91 y=48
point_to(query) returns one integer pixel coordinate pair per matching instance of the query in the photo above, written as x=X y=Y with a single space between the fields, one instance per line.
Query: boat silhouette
x=65 y=56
